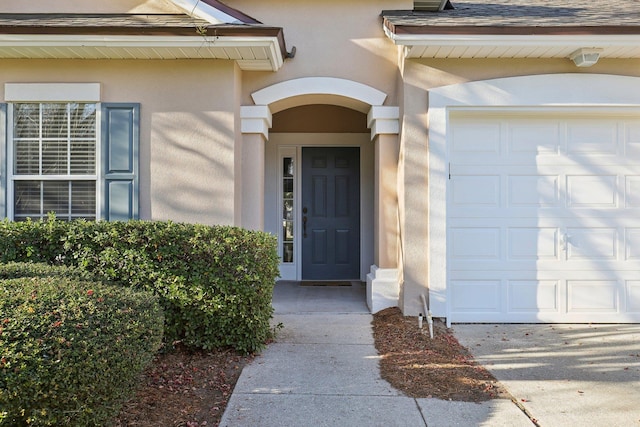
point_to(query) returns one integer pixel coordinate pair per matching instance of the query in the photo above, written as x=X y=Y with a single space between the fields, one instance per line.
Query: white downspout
x=429 y=316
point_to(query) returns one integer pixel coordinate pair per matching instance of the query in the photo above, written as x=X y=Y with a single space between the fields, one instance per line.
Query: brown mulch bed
x=419 y=366
x=184 y=389
x=190 y=389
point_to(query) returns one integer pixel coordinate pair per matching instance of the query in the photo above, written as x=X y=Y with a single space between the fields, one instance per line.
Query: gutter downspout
x=429 y=316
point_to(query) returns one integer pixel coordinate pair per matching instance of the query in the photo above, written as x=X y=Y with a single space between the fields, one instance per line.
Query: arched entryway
x=300 y=126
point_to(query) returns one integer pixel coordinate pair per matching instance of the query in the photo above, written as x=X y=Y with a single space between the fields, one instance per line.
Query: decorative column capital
x=383 y=120
x=256 y=119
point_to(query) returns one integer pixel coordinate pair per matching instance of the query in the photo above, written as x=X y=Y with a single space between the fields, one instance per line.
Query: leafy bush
x=214 y=283
x=71 y=351
x=16 y=270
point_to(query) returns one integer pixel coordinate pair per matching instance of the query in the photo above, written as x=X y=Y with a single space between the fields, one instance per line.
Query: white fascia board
x=512 y=40
x=202 y=10
x=11 y=40
x=271 y=44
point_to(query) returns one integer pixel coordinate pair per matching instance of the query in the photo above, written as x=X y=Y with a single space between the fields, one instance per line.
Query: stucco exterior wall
x=418 y=77
x=332 y=39
x=188 y=130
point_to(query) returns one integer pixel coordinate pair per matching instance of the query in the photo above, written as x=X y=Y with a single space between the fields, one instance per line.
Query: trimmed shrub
x=71 y=352
x=215 y=283
x=16 y=270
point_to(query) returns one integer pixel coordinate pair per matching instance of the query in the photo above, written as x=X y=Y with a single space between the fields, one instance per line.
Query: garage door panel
x=632 y=244
x=590 y=243
x=592 y=191
x=632 y=139
x=533 y=243
x=475 y=243
x=476 y=191
x=534 y=138
x=476 y=296
x=633 y=296
x=587 y=296
x=476 y=137
x=632 y=191
x=532 y=296
x=543 y=219
x=592 y=137
x=534 y=191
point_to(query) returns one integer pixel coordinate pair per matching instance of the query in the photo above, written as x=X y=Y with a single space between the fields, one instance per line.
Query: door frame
x=293 y=271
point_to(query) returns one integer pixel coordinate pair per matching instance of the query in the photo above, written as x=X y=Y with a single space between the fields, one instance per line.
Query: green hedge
x=71 y=351
x=215 y=283
x=18 y=270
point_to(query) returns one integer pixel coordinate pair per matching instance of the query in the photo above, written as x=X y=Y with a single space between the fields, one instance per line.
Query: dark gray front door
x=331 y=213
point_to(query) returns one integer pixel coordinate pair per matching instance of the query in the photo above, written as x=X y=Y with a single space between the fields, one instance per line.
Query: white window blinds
x=54 y=168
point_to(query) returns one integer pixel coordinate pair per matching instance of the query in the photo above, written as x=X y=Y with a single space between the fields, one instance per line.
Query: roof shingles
x=524 y=13
x=119 y=24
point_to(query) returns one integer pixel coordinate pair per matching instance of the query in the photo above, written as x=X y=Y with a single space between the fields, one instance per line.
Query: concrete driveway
x=564 y=375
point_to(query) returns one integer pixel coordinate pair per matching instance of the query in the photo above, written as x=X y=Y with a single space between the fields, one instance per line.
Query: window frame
x=289 y=269
x=10 y=153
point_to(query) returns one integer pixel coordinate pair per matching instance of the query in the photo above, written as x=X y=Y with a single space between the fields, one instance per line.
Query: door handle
x=304 y=222
x=565 y=240
x=304 y=226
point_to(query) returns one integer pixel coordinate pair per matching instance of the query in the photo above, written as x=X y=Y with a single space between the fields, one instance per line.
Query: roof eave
x=253 y=52
x=521 y=42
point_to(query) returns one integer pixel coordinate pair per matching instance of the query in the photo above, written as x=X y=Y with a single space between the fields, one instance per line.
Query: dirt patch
x=420 y=367
x=184 y=389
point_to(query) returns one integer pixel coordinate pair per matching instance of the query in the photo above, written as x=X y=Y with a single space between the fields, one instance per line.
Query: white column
x=383 y=279
x=256 y=121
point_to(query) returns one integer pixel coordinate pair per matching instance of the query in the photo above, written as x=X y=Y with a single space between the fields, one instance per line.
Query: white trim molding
x=568 y=93
x=383 y=288
x=52 y=92
x=620 y=46
x=48 y=46
x=337 y=91
x=320 y=90
x=256 y=119
x=383 y=120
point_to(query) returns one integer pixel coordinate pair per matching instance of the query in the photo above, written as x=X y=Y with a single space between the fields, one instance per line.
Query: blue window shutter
x=3 y=161
x=120 y=162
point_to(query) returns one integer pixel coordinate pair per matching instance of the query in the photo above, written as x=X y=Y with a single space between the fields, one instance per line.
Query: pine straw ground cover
x=192 y=389
x=420 y=367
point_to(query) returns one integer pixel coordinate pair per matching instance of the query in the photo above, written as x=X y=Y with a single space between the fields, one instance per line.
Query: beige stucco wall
x=189 y=127
x=332 y=38
x=418 y=77
x=87 y=6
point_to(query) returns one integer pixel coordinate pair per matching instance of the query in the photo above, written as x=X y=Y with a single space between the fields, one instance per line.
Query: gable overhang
x=513 y=42
x=254 y=46
x=252 y=53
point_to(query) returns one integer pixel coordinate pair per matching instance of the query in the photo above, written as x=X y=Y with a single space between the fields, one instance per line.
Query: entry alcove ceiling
x=319 y=118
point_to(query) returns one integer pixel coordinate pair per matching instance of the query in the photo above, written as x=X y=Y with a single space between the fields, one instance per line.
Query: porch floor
x=290 y=297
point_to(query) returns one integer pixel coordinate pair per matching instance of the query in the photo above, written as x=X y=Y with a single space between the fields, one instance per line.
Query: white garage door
x=543 y=217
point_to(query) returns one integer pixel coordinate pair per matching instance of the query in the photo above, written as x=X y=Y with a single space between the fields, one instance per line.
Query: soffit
x=139 y=36
x=518 y=29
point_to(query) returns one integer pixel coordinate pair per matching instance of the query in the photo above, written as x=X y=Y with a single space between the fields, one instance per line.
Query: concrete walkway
x=323 y=371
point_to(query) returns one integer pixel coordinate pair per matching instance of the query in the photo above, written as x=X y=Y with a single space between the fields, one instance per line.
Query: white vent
x=430 y=5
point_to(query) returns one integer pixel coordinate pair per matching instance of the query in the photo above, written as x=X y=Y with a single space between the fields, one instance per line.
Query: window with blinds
x=54 y=160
